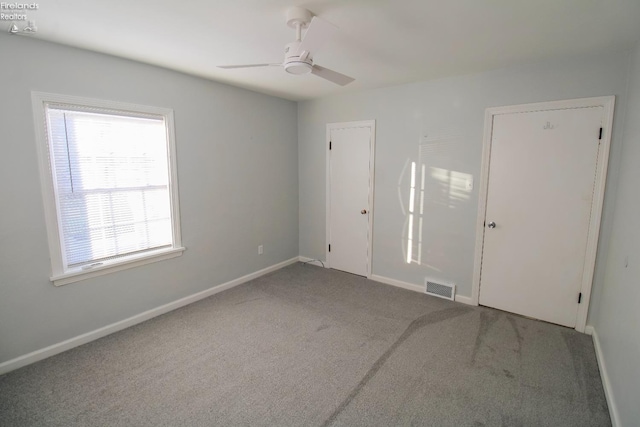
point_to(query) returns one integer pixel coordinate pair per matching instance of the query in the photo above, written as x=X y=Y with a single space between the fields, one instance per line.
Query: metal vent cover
x=440 y=290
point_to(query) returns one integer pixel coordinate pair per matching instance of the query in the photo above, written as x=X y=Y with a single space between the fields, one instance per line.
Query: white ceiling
x=380 y=43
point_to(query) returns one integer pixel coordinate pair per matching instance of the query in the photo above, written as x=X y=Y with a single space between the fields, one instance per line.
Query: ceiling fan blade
x=332 y=76
x=248 y=66
x=317 y=34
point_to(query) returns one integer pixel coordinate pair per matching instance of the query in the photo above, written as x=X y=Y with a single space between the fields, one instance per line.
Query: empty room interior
x=320 y=213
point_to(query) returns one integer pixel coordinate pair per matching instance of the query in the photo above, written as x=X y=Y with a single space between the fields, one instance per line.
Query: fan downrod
x=298 y=18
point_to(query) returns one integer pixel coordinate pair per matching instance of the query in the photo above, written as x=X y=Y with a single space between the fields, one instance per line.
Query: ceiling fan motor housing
x=294 y=62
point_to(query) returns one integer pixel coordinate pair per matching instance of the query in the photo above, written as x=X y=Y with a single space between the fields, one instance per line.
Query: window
x=109 y=185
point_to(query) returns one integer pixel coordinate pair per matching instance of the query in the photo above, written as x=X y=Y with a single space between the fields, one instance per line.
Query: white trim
x=130 y=262
x=607 y=102
x=413 y=287
x=59 y=274
x=596 y=212
x=371 y=124
x=176 y=225
x=398 y=283
x=312 y=261
x=606 y=383
x=46 y=181
x=464 y=300
x=482 y=207
x=54 y=349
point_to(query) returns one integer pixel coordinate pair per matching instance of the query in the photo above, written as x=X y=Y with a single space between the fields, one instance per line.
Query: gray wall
x=617 y=318
x=446 y=118
x=237 y=172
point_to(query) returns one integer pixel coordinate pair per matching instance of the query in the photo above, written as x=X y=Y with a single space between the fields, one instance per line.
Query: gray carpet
x=305 y=346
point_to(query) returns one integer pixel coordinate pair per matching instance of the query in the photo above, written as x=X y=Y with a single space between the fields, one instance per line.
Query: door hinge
x=579 y=297
x=329 y=248
x=329 y=145
x=600 y=136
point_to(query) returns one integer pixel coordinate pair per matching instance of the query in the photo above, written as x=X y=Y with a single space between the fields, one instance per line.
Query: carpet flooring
x=306 y=346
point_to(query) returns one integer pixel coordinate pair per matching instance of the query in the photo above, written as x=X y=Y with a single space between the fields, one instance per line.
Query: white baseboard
x=464 y=300
x=314 y=261
x=414 y=287
x=397 y=283
x=54 y=349
x=608 y=391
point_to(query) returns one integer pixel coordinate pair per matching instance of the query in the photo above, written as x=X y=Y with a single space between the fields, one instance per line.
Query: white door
x=542 y=174
x=349 y=190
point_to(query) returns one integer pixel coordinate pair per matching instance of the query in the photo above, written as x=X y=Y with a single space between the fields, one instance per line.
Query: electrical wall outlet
x=260 y=250
x=469 y=183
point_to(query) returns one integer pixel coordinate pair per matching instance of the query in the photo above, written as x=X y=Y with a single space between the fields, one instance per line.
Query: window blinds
x=111 y=181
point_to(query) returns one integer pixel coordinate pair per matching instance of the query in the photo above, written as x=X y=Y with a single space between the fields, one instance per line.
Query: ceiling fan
x=298 y=55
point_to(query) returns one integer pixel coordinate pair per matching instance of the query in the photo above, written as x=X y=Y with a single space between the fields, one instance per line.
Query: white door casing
x=350 y=196
x=540 y=191
x=544 y=190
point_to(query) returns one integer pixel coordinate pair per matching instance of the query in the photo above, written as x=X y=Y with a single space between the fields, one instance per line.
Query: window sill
x=147 y=258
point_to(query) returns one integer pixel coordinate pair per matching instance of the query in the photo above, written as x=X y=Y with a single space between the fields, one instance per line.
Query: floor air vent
x=440 y=290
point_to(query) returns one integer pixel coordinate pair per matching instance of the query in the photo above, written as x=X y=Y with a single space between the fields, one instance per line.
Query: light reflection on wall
x=432 y=196
x=453 y=185
x=412 y=193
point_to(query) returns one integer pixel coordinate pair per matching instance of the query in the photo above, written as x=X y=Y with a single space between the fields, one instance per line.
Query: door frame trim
x=344 y=125
x=607 y=102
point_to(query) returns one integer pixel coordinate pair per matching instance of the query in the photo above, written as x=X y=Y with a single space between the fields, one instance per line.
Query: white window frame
x=59 y=275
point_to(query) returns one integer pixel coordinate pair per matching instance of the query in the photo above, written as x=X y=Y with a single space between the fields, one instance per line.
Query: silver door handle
x=491 y=225
x=363 y=211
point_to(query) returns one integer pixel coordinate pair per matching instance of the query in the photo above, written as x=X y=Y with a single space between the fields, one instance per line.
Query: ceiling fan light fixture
x=298 y=55
x=298 y=67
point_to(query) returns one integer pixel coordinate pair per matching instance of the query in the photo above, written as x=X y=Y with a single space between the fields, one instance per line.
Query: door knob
x=491 y=225
x=363 y=211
